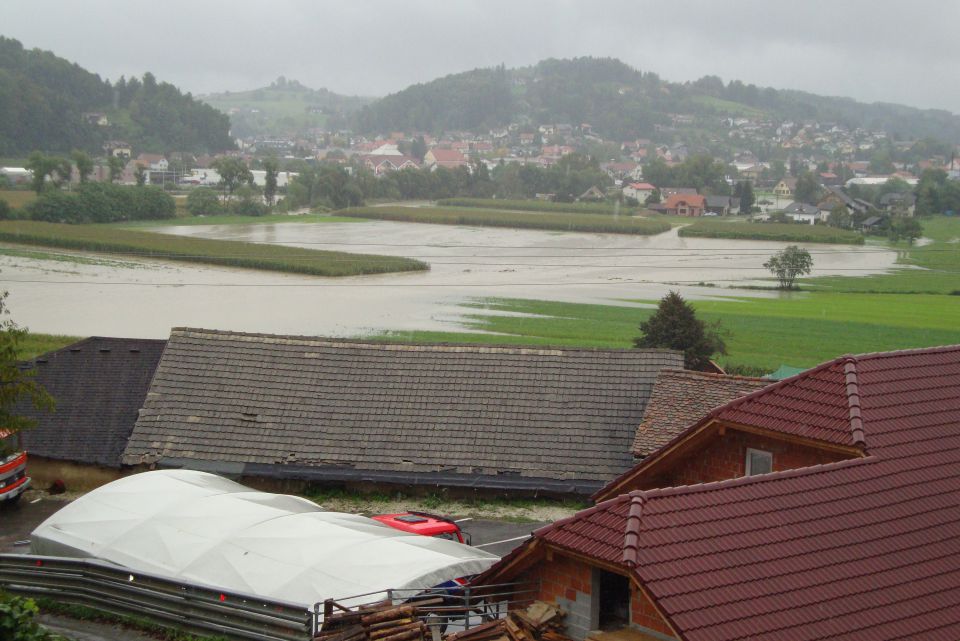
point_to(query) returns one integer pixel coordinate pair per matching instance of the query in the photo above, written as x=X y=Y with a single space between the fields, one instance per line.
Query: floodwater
x=145 y=298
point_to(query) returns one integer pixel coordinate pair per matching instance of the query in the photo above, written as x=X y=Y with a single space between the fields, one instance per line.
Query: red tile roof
x=680 y=398
x=447 y=155
x=690 y=199
x=866 y=548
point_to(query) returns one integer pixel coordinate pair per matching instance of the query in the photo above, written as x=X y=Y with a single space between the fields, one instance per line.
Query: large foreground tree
x=675 y=326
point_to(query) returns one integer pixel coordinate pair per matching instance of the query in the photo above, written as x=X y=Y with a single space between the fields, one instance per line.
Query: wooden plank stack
x=378 y=622
x=539 y=622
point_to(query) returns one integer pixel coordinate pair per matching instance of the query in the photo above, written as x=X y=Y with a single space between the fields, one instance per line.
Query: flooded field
x=67 y=293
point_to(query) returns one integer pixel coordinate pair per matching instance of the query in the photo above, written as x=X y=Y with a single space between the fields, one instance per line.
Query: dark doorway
x=614 y=600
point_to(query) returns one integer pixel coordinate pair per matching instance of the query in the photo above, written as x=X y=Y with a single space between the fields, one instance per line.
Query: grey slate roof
x=99 y=385
x=489 y=416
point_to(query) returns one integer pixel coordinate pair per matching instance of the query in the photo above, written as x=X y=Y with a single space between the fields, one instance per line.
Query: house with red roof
x=384 y=164
x=638 y=191
x=685 y=205
x=442 y=157
x=822 y=506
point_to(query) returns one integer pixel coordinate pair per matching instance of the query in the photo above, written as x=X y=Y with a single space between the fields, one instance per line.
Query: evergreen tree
x=675 y=326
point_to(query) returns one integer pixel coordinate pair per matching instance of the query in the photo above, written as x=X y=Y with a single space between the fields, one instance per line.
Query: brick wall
x=725 y=458
x=568 y=583
x=644 y=615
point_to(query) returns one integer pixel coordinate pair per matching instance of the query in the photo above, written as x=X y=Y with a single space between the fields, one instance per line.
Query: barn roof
x=99 y=385
x=317 y=408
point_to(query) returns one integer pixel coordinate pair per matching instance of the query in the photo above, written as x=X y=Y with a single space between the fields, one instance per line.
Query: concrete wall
x=76 y=476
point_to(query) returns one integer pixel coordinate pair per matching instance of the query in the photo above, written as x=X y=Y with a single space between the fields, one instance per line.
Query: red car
x=13 y=477
x=425 y=524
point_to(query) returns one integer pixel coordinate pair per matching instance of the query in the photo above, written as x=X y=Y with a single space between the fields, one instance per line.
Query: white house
x=638 y=191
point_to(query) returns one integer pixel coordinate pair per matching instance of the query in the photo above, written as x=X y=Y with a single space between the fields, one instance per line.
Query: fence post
x=466 y=604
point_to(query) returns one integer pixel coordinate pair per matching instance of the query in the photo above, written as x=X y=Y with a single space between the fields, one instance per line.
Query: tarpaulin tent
x=202 y=528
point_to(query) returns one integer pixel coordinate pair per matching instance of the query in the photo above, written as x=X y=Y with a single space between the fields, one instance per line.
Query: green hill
x=285 y=107
x=621 y=102
x=51 y=104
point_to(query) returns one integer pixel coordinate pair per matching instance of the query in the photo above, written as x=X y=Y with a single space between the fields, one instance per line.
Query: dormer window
x=758 y=462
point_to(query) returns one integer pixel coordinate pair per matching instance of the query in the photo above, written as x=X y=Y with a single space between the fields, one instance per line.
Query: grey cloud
x=874 y=51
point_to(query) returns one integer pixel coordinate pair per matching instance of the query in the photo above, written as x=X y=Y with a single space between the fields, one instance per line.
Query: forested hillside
x=621 y=102
x=51 y=104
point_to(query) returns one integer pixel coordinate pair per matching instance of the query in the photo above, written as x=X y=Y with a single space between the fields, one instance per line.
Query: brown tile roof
x=866 y=548
x=682 y=397
x=483 y=415
x=99 y=385
x=692 y=200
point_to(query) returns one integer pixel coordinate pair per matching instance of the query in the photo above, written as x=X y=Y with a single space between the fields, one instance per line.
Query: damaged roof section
x=340 y=409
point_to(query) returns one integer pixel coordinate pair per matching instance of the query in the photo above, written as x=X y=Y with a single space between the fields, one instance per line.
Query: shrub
x=248 y=207
x=18 y=620
x=102 y=203
x=203 y=201
x=5 y=210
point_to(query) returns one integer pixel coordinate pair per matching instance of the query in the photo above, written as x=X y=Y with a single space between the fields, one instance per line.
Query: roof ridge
x=480 y=347
x=903 y=352
x=714 y=375
x=853 y=400
x=631 y=539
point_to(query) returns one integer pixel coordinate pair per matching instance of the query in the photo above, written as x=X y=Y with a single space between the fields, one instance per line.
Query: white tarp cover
x=202 y=528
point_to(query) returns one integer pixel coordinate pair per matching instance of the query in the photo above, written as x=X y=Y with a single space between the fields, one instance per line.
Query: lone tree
x=115 y=164
x=233 y=173
x=786 y=265
x=675 y=326
x=84 y=164
x=270 y=180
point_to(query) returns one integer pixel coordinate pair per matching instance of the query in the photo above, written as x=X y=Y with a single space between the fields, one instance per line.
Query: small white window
x=759 y=462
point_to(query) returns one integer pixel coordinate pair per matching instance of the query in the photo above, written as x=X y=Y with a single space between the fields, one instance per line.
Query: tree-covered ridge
x=49 y=103
x=621 y=102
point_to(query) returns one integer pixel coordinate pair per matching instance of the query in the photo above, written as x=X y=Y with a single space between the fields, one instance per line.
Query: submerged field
x=487 y=218
x=111 y=240
x=800 y=329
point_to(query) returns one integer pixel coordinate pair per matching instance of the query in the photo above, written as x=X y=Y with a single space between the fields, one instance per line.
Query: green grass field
x=101 y=238
x=227 y=219
x=516 y=220
x=799 y=328
x=791 y=233
x=17 y=198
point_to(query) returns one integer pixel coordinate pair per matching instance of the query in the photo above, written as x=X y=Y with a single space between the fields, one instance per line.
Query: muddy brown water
x=145 y=298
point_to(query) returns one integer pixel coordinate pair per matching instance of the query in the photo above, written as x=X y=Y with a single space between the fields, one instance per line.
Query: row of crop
x=537 y=205
x=201 y=250
x=793 y=233
x=553 y=221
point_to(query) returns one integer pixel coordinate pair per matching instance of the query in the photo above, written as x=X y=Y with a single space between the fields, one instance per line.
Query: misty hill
x=286 y=107
x=51 y=104
x=621 y=102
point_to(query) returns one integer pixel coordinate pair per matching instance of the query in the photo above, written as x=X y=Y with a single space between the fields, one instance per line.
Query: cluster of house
x=824 y=505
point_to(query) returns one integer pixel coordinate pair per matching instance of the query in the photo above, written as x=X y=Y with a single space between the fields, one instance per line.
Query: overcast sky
x=872 y=50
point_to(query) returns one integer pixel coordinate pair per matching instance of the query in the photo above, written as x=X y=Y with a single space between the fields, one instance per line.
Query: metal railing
x=444 y=609
x=193 y=608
